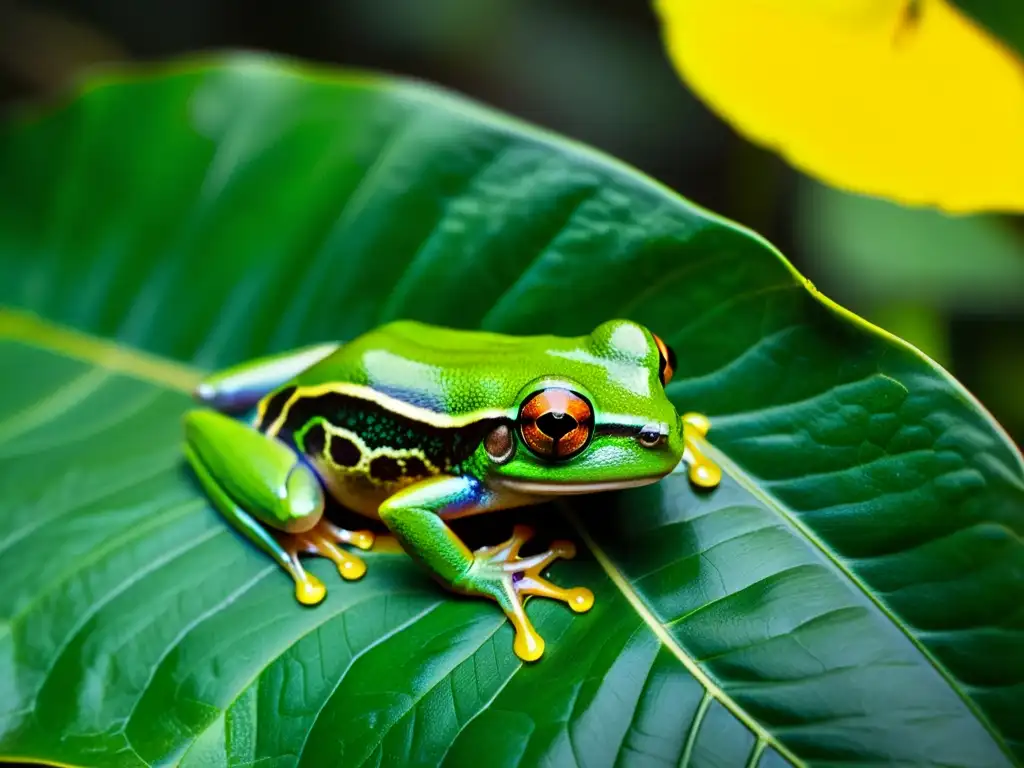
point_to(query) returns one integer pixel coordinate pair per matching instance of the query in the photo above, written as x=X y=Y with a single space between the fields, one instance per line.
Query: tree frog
x=417 y=425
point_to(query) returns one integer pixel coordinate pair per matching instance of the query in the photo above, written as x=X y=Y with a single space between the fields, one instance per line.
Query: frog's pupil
x=556 y=424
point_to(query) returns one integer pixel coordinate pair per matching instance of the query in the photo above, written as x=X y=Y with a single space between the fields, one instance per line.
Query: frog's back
x=442 y=370
x=400 y=403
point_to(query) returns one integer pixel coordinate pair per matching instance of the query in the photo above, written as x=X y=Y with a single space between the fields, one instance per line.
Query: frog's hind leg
x=265 y=490
x=239 y=388
x=309 y=590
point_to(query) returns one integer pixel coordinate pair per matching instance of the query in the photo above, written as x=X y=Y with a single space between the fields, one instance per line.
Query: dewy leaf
x=852 y=592
x=909 y=100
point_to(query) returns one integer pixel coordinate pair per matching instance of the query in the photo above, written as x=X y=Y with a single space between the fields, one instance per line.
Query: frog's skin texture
x=416 y=425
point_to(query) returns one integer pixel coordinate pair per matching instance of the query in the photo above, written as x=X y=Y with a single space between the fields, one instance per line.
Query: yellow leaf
x=907 y=100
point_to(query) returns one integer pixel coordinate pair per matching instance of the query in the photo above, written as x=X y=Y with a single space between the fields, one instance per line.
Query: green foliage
x=883 y=252
x=852 y=591
x=916 y=272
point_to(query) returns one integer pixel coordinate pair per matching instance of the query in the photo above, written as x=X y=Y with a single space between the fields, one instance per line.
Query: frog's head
x=598 y=420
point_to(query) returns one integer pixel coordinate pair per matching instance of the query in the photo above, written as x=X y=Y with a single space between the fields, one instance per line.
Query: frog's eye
x=556 y=423
x=667 y=364
x=650 y=436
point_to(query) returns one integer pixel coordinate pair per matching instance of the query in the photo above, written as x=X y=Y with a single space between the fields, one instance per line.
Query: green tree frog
x=417 y=425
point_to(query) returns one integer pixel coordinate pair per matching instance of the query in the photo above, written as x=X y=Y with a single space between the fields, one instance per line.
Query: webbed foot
x=499 y=573
x=323 y=540
x=703 y=472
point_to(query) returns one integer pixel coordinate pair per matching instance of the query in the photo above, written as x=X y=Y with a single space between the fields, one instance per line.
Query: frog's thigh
x=252 y=478
x=240 y=387
x=262 y=474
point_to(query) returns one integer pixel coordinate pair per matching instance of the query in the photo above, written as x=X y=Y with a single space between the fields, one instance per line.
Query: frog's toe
x=351 y=568
x=320 y=541
x=563 y=549
x=362 y=539
x=507 y=551
x=527 y=579
x=310 y=590
x=528 y=645
x=579 y=599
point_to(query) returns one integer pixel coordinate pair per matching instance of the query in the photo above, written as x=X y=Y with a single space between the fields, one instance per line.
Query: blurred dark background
x=597 y=72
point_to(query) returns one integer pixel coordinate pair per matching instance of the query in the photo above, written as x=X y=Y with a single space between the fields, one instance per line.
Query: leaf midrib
x=19 y=325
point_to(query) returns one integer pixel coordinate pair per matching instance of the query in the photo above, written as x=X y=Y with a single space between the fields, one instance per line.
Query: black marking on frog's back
x=444 y=447
x=274 y=407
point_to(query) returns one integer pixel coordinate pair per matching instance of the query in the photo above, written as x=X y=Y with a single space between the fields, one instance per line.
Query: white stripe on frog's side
x=392 y=404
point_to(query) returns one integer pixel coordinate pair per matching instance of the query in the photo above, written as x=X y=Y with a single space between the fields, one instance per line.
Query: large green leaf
x=852 y=593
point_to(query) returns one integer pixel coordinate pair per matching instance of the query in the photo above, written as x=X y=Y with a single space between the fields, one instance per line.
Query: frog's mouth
x=567 y=489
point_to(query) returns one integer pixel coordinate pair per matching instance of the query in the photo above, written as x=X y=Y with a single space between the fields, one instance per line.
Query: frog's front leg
x=414 y=516
x=257 y=481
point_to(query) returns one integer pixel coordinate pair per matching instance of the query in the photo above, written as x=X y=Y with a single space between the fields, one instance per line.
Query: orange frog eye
x=556 y=423
x=667 y=363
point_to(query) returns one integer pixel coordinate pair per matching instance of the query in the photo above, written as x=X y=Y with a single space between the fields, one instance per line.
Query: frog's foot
x=323 y=540
x=702 y=470
x=499 y=573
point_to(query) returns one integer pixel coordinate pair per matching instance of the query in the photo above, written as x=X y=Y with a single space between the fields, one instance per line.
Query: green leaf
x=1003 y=18
x=878 y=251
x=852 y=592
